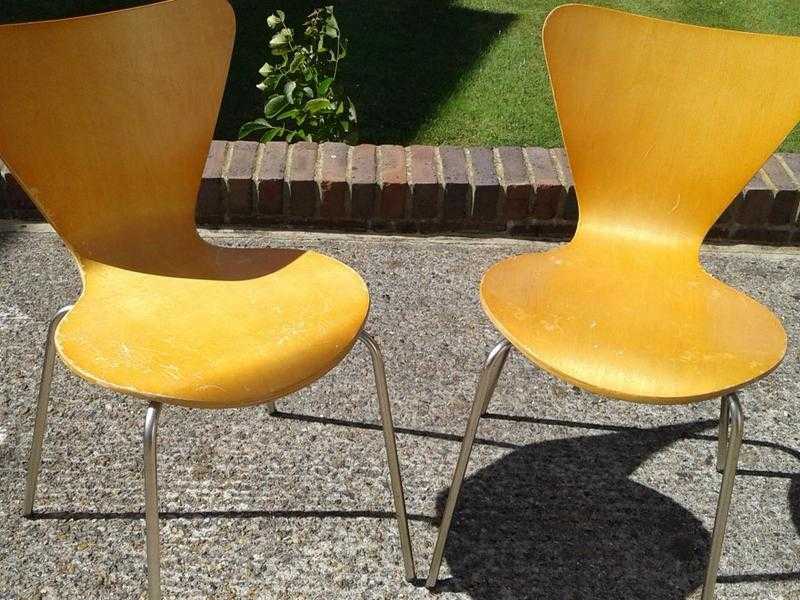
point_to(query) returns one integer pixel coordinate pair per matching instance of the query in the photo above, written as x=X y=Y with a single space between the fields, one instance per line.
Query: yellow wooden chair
x=106 y=121
x=664 y=123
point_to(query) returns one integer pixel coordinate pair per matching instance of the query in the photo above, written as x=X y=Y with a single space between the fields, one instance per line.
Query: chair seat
x=231 y=327
x=632 y=324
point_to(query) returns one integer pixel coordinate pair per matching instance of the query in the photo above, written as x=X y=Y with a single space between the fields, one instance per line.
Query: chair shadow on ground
x=563 y=519
x=557 y=519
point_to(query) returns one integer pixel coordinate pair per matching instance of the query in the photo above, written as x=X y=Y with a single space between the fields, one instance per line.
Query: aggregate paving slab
x=568 y=495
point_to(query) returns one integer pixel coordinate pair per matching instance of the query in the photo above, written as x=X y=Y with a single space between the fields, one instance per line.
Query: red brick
x=17 y=198
x=717 y=233
x=548 y=190
x=727 y=215
x=548 y=230
x=394 y=183
x=302 y=185
x=14 y=200
x=787 y=197
x=757 y=202
x=792 y=162
x=363 y=181
x=516 y=182
x=570 y=208
x=333 y=180
x=761 y=234
x=722 y=227
x=424 y=183
x=270 y=178
x=209 y=198
x=3 y=205
x=239 y=177
x=486 y=185
x=456 y=183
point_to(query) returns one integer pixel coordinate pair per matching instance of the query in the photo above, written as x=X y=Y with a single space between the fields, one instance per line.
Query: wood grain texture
x=106 y=120
x=663 y=123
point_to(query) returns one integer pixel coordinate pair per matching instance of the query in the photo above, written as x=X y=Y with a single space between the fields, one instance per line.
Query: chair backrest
x=106 y=120
x=665 y=122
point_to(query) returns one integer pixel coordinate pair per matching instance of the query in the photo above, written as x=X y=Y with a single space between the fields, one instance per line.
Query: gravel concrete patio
x=568 y=495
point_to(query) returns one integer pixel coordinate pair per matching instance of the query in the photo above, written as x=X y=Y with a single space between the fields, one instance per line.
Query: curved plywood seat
x=611 y=326
x=248 y=326
x=664 y=123
x=113 y=159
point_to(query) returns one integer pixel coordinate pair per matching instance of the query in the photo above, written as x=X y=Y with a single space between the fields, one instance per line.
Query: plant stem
x=291 y=46
x=336 y=64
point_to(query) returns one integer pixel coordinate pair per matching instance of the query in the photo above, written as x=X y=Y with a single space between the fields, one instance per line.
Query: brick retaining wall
x=428 y=189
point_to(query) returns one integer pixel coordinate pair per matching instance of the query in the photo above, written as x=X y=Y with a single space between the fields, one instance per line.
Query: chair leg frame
x=35 y=456
x=724 y=433
x=731 y=430
x=389 y=438
x=152 y=528
x=150 y=447
x=732 y=424
x=486 y=385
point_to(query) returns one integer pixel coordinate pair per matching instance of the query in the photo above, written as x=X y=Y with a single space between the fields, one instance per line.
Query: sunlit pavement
x=568 y=495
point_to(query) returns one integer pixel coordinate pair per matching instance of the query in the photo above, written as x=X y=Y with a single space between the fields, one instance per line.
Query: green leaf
x=275 y=105
x=288 y=89
x=270 y=135
x=299 y=86
x=316 y=105
x=288 y=114
x=280 y=39
x=297 y=62
x=252 y=126
x=324 y=85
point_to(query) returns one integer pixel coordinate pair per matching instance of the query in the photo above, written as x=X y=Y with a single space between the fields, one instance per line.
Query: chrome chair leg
x=272 y=408
x=151 y=501
x=724 y=434
x=734 y=428
x=488 y=381
x=490 y=390
x=391 y=452
x=35 y=457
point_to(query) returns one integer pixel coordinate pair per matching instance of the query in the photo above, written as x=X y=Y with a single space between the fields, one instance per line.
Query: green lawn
x=505 y=98
x=439 y=71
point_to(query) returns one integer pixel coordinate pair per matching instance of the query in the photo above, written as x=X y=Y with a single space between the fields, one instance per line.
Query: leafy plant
x=302 y=97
